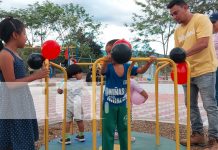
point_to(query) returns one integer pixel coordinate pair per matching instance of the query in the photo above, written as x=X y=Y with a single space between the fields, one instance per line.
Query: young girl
x=18 y=124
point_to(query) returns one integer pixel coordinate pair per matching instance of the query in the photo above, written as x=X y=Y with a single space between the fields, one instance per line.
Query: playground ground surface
x=143 y=115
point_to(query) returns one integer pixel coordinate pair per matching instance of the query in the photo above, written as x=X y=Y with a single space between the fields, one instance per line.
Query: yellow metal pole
x=101 y=99
x=65 y=102
x=157 y=102
x=129 y=106
x=46 y=136
x=176 y=105
x=175 y=94
x=188 y=106
x=94 y=124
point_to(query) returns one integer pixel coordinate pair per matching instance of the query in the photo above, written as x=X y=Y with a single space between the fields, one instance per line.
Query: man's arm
x=200 y=45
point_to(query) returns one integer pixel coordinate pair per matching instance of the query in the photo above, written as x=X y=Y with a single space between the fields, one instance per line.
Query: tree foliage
x=69 y=24
x=154 y=22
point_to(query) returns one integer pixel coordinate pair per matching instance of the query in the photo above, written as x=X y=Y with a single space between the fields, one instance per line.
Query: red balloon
x=181 y=73
x=123 y=41
x=50 y=49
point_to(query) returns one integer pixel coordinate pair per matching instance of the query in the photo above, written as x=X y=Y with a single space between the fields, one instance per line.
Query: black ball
x=121 y=53
x=35 y=61
x=178 y=55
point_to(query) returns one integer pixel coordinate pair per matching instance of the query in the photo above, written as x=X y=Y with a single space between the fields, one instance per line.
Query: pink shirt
x=216 y=43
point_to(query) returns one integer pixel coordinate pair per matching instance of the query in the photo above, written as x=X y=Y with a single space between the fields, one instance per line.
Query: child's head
x=12 y=29
x=74 y=70
x=121 y=51
x=109 y=46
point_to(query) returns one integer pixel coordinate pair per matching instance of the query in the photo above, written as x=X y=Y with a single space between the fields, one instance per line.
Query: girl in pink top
x=134 y=87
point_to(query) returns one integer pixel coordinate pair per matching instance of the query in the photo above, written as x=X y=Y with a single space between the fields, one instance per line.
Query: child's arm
x=60 y=87
x=104 y=65
x=145 y=67
x=144 y=94
x=7 y=68
x=136 y=86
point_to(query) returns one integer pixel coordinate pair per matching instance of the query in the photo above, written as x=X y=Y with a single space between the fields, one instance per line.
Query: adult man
x=194 y=34
x=214 y=21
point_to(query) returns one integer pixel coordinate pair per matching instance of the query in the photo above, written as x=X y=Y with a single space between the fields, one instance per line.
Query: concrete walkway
x=145 y=111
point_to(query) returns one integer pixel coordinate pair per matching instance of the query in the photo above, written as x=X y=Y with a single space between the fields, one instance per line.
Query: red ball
x=122 y=41
x=50 y=49
x=181 y=73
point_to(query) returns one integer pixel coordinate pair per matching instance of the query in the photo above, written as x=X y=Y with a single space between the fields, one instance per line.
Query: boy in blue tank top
x=115 y=96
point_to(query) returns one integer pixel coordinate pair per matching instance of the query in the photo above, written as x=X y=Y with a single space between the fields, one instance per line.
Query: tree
x=154 y=23
x=79 y=29
x=69 y=24
x=203 y=6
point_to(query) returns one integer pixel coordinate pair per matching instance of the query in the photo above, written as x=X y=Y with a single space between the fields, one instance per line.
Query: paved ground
x=145 y=111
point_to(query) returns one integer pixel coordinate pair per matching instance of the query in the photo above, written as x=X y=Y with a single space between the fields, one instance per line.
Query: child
x=114 y=103
x=18 y=124
x=74 y=104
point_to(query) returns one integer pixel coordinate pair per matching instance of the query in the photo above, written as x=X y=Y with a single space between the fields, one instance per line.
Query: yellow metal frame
x=163 y=62
x=156 y=100
x=46 y=135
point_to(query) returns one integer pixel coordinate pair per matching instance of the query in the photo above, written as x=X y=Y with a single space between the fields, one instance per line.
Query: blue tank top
x=19 y=66
x=115 y=92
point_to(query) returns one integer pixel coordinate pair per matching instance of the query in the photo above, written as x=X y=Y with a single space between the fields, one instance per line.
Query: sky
x=112 y=13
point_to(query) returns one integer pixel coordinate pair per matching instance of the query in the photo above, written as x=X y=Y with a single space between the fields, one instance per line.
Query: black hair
x=176 y=2
x=111 y=42
x=7 y=27
x=73 y=70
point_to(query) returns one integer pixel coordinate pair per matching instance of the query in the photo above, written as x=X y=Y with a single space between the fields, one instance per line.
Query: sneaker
x=212 y=144
x=67 y=141
x=80 y=138
x=132 y=139
x=196 y=139
x=116 y=136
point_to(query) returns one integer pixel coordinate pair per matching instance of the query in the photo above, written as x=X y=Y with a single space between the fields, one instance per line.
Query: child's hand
x=152 y=59
x=60 y=91
x=42 y=73
x=107 y=58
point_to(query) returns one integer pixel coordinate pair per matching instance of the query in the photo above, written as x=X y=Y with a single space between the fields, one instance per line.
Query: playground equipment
x=181 y=73
x=71 y=55
x=178 y=55
x=121 y=50
x=35 y=61
x=50 y=49
x=144 y=141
